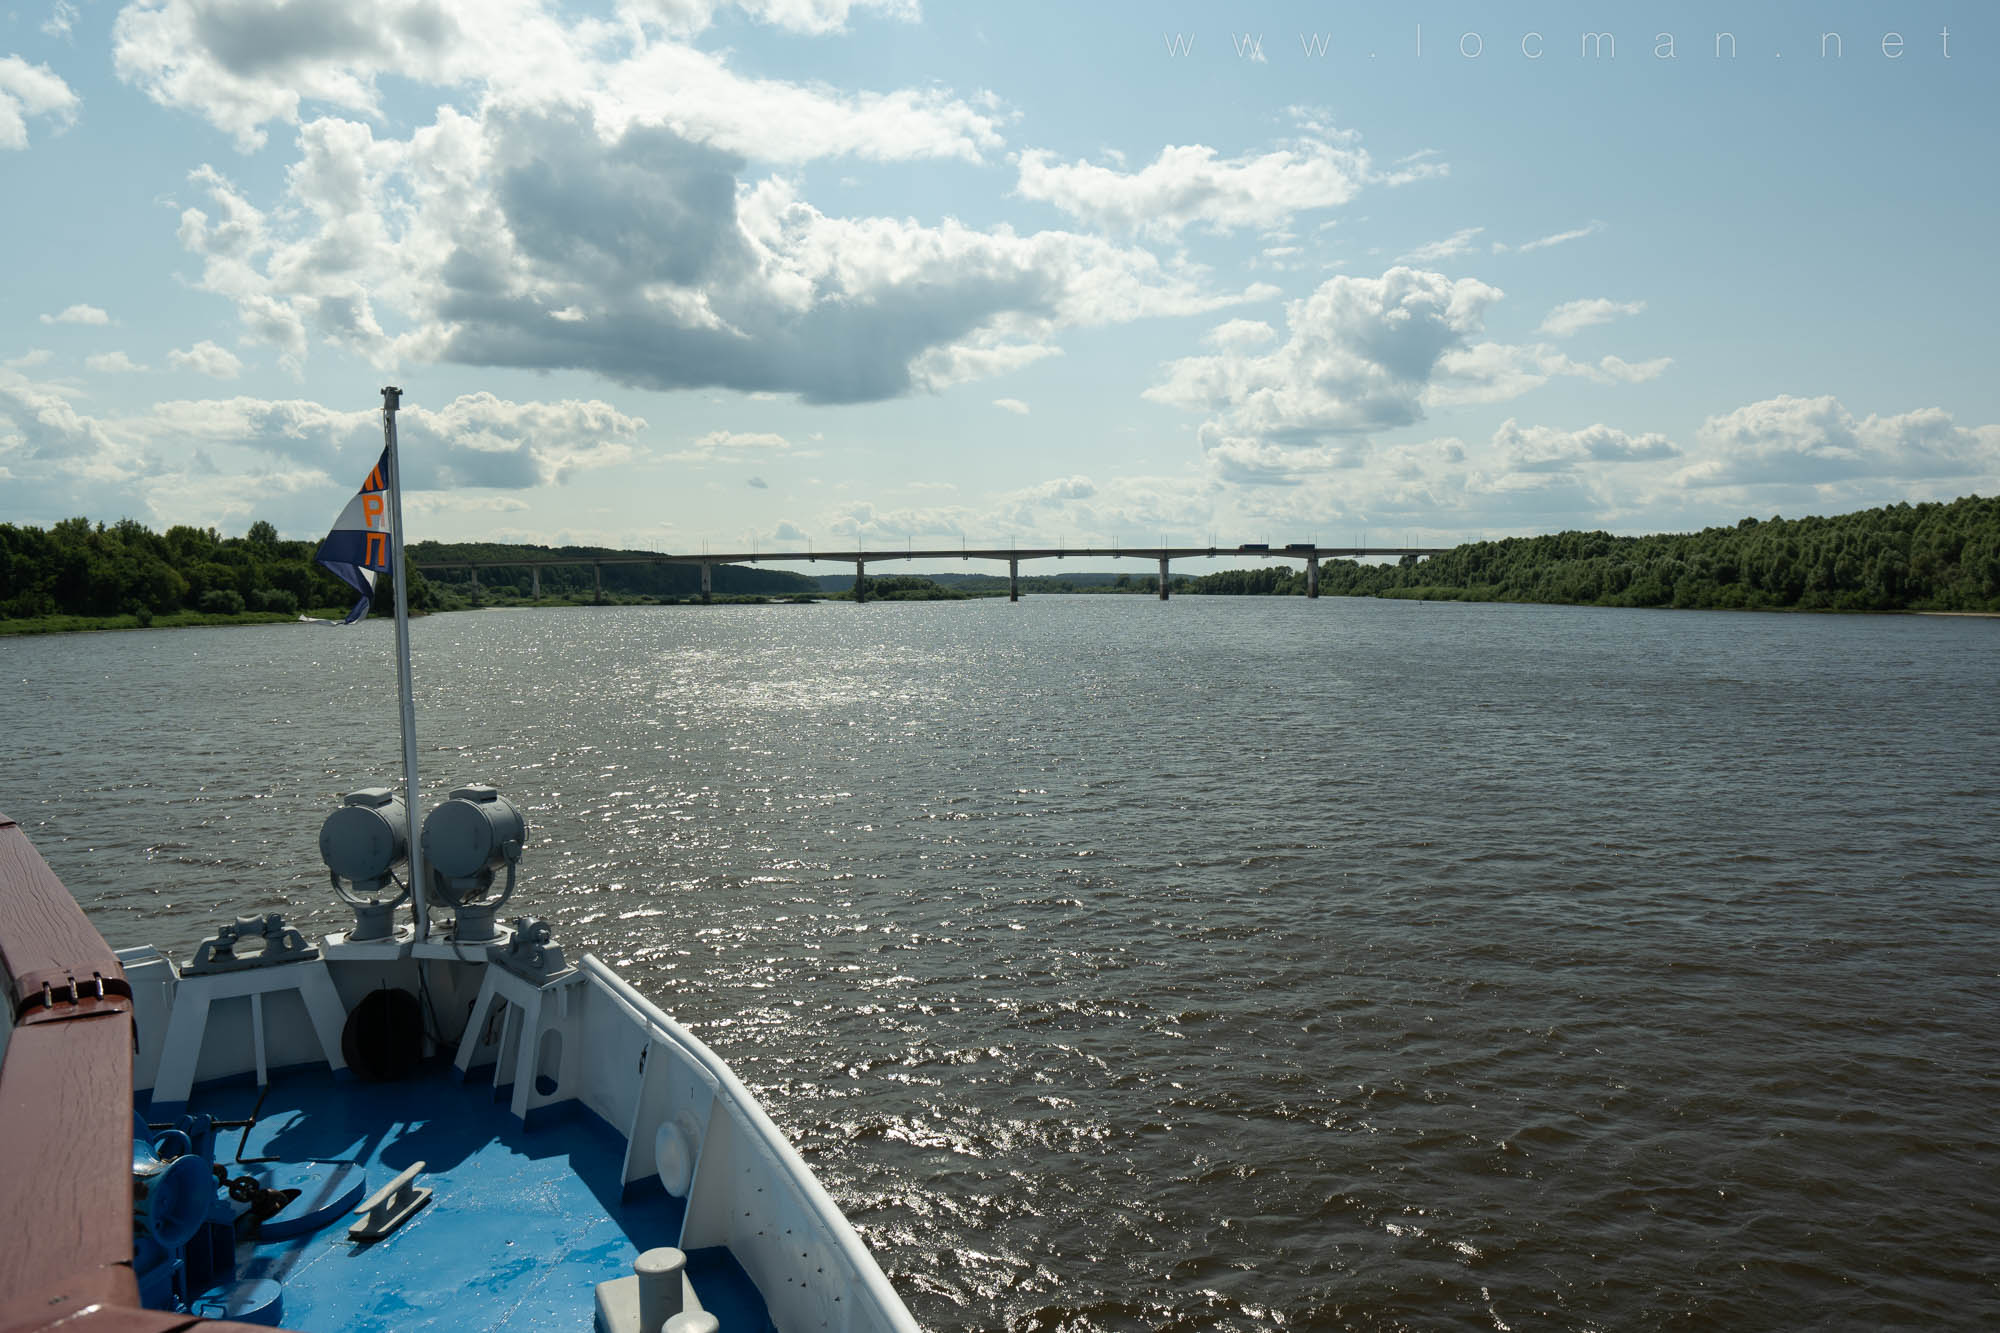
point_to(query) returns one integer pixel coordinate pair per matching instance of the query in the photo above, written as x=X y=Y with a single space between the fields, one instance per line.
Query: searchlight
x=362 y=843
x=465 y=841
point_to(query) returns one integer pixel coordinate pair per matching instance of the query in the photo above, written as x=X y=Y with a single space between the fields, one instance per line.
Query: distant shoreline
x=197 y=620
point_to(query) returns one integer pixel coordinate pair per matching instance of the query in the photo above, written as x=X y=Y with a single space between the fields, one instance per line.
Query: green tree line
x=578 y=580
x=77 y=568
x=1925 y=557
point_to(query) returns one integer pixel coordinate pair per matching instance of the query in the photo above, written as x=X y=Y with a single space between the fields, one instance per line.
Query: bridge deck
x=1291 y=552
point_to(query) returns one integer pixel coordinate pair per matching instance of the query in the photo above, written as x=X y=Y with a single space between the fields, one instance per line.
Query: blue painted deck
x=520 y=1228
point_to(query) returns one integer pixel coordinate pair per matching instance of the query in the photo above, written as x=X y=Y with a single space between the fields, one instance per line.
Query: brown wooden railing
x=65 y=1115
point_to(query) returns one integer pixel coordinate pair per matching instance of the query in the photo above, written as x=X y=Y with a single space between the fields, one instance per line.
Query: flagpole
x=391 y=399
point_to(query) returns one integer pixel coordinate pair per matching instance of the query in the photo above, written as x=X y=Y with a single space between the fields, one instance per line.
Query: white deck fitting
x=391 y=1206
x=180 y=1052
x=531 y=1012
x=657 y=1298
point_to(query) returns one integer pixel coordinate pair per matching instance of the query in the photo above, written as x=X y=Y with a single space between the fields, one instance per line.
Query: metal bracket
x=533 y=954
x=282 y=944
x=49 y=997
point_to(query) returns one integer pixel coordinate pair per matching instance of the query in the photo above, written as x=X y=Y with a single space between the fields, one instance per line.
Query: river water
x=1216 y=964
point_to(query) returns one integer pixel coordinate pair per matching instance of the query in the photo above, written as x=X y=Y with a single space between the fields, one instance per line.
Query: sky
x=811 y=274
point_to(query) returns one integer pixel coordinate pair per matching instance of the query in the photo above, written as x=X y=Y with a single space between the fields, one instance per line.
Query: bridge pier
x=535 y=572
x=860 y=582
x=475 y=583
x=597 y=573
x=1312 y=574
x=1013 y=580
x=707 y=588
x=1163 y=578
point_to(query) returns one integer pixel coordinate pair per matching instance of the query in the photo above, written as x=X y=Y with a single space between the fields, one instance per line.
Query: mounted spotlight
x=363 y=842
x=466 y=839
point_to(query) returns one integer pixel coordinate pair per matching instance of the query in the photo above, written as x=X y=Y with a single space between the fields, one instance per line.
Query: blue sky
x=807 y=273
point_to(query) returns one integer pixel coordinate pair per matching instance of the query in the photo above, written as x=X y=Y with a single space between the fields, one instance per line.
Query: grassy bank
x=185 y=619
x=171 y=620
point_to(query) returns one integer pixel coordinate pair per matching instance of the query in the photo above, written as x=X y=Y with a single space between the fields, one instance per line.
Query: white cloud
x=1491 y=372
x=535 y=237
x=245 y=64
x=1558 y=238
x=1072 y=510
x=731 y=446
x=242 y=64
x=734 y=440
x=112 y=363
x=1545 y=449
x=1248 y=462
x=1418 y=166
x=1631 y=372
x=1190 y=185
x=1458 y=243
x=1525 y=477
x=210 y=497
x=207 y=358
x=31 y=90
x=586 y=201
x=164 y=460
x=983 y=354
x=483 y=440
x=1330 y=493
x=38 y=421
x=1359 y=355
x=476 y=440
x=1055 y=491
x=1235 y=335
x=817 y=17
x=1013 y=405
x=61 y=20
x=461 y=502
x=769 y=120
x=1571 y=316
x=79 y=314
x=1809 y=441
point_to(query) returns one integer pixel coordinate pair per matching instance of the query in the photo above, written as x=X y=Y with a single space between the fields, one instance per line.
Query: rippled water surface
x=1223 y=963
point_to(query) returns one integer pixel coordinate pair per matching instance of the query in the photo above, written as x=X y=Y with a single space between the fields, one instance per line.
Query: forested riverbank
x=1925 y=557
x=80 y=575
x=83 y=575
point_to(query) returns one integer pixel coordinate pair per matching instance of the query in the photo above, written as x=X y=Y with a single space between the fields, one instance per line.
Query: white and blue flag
x=358 y=547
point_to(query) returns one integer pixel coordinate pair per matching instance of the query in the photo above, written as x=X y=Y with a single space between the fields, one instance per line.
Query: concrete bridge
x=1309 y=552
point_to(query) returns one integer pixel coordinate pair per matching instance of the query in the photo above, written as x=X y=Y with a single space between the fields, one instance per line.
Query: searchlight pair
x=467 y=841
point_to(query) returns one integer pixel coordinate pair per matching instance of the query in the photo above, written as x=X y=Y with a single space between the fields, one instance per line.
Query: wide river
x=1215 y=964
